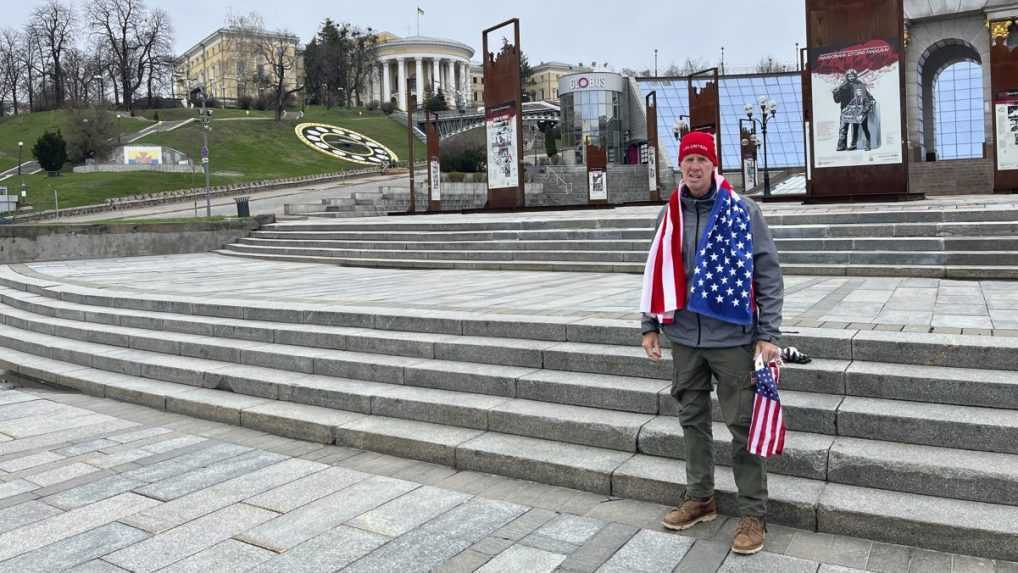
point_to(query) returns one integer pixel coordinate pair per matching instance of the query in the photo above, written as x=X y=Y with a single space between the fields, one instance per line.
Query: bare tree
x=277 y=51
x=136 y=38
x=769 y=65
x=54 y=23
x=12 y=70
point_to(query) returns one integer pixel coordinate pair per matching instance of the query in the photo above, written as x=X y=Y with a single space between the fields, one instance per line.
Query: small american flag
x=767 y=429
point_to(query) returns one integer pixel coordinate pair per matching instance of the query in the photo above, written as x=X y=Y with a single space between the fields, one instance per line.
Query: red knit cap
x=698 y=143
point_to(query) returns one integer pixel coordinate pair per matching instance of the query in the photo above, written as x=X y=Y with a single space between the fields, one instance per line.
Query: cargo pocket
x=736 y=389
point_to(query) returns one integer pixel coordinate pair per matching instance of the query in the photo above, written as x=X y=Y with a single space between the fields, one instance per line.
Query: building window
x=958 y=109
x=475 y=79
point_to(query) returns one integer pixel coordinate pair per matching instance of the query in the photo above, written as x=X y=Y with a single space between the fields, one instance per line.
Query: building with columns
x=432 y=63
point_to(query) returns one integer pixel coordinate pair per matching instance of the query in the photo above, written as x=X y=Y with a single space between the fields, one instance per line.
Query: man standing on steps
x=713 y=285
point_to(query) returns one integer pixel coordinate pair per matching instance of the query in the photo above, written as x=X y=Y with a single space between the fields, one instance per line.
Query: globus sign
x=590 y=81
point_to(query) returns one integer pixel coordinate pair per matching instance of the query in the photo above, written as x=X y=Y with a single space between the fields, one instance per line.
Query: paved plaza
x=93 y=485
x=856 y=303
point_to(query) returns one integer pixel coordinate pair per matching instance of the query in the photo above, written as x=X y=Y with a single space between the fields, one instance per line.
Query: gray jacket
x=692 y=329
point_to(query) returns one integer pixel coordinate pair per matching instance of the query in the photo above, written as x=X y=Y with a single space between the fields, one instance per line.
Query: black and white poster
x=1007 y=133
x=503 y=164
x=857 y=105
x=652 y=167
x=598 y=181
x=436 y=180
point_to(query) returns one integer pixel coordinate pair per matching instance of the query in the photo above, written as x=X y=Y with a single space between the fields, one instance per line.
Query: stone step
x=899 y=230
x=975 y=272
x=204 y=361
x=496 y=255
x=937 y=522
x=918 y=258
x=544 y=266
x=440 y=235
x=575 y=245
x=253 y=320
x=902 y=244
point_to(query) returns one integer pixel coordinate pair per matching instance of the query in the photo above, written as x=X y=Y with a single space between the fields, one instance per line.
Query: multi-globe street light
x=768 y=109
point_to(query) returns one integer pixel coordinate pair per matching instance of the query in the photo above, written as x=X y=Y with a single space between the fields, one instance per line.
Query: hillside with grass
x=240 y=150
x=28 y=127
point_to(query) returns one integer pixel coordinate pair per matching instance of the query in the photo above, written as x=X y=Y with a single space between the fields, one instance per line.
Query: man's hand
x=766 y=351
x=652 y=345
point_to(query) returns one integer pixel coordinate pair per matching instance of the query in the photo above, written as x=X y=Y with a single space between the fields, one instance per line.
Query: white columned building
x=436 y=62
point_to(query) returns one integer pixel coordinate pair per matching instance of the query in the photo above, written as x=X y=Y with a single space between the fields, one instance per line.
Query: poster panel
x=749 y=174
x=652 y=167
x=503 y=165
x=1007 y=133
x=598 y=184
x=436 y=181
x=143 y=155
x=856 y=104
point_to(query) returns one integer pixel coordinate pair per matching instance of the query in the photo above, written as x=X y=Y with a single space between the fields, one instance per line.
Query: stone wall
x=54 y=242
x=954 y=177
x=120 y=168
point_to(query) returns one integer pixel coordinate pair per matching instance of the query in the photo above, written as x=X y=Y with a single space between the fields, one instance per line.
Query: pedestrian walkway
x=913 y=305
x=88 y=484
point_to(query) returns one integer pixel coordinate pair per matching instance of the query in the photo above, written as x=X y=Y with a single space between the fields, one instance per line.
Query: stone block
x=68 y=552
x=279 y=357
x=336 y=393
x=831 y=549
x=214 y=405
x=523 y=558
x=410 y=344
x=93 y=492
x=957 y=351
x=605 y=359
x=299 y=421
x=201 y=478
x=25 y=514
x=189 y=539
x=965 y=386
x=362 y=366
x=554 y=463
x=572 y=424
x=965 y=427
x=604 y=331
x=464 y=377
x=228 y=555
x=519 y=326
x=286 y=498
x=329 y=551
x=416 y=440
x=649 y=551
x=637 y=395
x=69 y=524
x=408 y=511
x=304 y=523
x=965 y=527
x=437 y=406
x=792 y=501
x=767 y=563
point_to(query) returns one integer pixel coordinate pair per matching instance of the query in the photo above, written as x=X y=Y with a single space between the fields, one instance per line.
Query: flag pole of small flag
x=767 y=428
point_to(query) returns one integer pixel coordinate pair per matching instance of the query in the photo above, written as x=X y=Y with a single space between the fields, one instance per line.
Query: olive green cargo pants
x=692 y=376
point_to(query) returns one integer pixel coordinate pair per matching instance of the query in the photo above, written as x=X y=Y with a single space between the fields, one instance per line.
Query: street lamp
x=118 y=127
x=21 y=181
x=768 y=109
x=100 y=78
x=680 y=127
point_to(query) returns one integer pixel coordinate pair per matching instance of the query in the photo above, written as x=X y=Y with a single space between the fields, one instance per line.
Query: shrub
x=90 y=135
x=155 y=116
x=388 y=107
x=50 y=150
x=456 y=177
x=373 y=105
x=245 y=101
x=467 y=160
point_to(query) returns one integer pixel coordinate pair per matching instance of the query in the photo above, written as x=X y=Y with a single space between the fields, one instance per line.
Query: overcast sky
x=622 y=33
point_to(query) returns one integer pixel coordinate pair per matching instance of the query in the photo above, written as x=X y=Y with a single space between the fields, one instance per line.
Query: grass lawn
x=256 y=150
x=28 y=127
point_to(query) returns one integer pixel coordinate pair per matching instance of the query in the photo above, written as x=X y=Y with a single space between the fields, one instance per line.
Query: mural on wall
x=859 y=122
x=345 y=144
x=143 y=155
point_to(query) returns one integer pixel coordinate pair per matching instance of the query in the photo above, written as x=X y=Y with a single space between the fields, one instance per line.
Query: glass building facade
x=595 y=117
x=785 y=137
x=958 y=111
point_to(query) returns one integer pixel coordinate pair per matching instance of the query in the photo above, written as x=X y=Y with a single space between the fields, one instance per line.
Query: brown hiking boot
x=691 y=512
x=749 y=536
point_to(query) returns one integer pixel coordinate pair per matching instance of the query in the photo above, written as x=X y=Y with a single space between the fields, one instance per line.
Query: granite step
x=492 y=255
x=899 y=244
x=983 y=528
x=496 y=245
x=898 y=230
x=909 y=271
x=607 y=234
x=915 y=258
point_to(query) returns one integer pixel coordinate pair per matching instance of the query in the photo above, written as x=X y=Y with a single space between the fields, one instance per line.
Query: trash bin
x=242 y=207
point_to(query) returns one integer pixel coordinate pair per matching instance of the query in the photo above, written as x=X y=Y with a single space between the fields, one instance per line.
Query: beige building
x=543 y=85
x=431 y=63
x=230 y=64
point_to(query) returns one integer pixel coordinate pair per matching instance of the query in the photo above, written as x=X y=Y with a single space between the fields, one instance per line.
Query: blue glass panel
x=958 y=111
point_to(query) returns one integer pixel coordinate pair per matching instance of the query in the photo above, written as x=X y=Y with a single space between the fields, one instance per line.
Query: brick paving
x=97 y=485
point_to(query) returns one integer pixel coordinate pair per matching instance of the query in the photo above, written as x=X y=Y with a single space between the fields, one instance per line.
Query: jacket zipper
x=696 y=240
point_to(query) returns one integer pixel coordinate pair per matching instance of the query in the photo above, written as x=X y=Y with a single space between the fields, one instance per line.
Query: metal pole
x=655 y=62
x=205 y=160
x=767 y=174
x=410 y=101
x=56 y=203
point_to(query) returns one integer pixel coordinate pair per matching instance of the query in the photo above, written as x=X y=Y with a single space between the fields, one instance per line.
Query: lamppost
x=680 y=127
x=205 y=116
x=749 y=141
x=100 y=78
x=411 y=100
x=655 y=62
x=768 y=109
x=118 y=127
x=21 y=181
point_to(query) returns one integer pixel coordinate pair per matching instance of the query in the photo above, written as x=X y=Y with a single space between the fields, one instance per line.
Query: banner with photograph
x=652 y=167
x=857 y=105
x=1007 y=133
x=503 y=163
x=598 y=182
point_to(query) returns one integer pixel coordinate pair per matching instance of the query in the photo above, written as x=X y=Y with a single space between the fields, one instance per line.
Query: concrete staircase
x=972 y=243
x=901 y=438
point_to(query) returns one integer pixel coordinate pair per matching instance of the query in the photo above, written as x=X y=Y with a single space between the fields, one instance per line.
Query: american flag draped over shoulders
x=721 y=286
x=767 y=428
